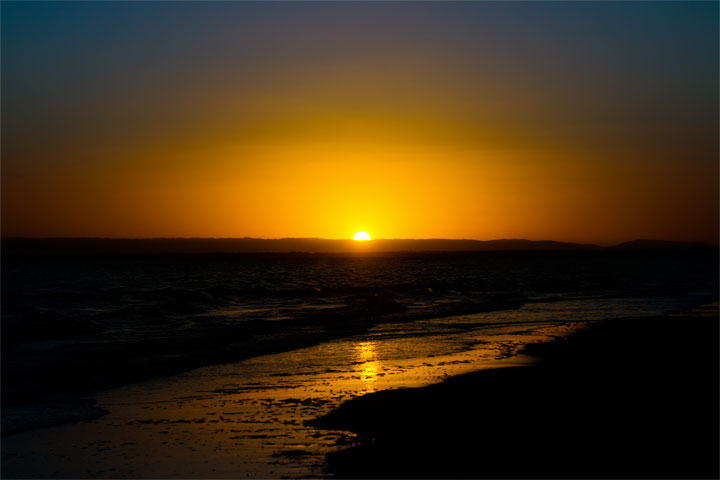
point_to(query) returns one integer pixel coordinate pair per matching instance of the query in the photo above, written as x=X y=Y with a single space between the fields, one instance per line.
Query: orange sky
x=286 y=128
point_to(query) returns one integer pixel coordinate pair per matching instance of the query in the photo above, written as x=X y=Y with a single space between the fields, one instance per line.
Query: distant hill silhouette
x=658 y=245
x=303 y=245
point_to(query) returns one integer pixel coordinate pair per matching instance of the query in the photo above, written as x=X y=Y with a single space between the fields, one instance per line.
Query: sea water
x=413 y=320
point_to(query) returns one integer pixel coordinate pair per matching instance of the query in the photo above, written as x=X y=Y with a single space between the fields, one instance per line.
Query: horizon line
x=345 y=239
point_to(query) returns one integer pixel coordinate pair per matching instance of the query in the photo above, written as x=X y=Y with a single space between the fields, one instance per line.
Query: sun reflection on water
x=369 y=365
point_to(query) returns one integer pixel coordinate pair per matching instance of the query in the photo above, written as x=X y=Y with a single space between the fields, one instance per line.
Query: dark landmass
x=259 y=245
x=658 y=245
x=297 y=245
x=627 y=398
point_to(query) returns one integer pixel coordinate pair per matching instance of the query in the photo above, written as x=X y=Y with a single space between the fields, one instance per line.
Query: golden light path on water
x=247 y=419
x=369 y=365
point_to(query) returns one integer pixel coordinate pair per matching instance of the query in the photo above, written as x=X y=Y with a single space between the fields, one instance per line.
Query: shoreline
x=74 y=328
x=68 y=401
x=622 y=398
x=74 y=400
x=254 y=418
x=248 y=418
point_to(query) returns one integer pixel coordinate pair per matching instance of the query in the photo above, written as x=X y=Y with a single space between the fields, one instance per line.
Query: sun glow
x=362 y=236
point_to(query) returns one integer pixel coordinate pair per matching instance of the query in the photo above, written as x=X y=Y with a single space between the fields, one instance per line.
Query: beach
x=624 y=398
x=619 y=398
x=250 y=418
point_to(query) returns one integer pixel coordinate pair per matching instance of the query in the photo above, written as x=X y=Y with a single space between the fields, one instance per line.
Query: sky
x=573 y=121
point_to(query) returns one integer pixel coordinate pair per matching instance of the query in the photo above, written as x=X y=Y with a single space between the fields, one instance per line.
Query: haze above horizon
x=582 y=122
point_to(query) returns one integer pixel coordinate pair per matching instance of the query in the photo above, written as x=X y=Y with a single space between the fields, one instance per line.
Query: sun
x=361 y=236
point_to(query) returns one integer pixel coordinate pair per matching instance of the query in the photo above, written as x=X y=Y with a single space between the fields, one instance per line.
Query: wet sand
x=630 y=398
x=247 y=419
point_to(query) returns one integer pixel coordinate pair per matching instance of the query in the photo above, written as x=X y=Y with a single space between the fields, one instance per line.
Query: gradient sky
x=589 y=121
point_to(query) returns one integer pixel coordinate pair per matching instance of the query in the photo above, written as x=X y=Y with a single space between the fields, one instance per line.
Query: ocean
x=83 y=322
x=255 y=330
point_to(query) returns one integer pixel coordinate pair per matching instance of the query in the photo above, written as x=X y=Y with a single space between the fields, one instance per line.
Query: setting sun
x=361 y=236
